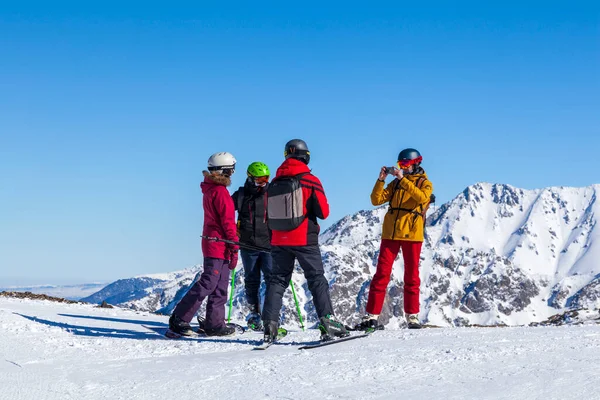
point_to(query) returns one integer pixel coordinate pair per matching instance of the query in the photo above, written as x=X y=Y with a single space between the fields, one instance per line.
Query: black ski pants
x=255 y=262
x=309 y=258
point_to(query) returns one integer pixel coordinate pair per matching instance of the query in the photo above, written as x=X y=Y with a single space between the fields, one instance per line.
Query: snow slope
x=61 y=351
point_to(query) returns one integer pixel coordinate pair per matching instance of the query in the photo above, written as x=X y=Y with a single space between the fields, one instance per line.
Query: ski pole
x=242 y=245
x=297 y=305
x=231 y=296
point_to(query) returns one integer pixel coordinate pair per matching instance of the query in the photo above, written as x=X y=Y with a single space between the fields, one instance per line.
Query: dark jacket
x=316 y=206
x=250 y=202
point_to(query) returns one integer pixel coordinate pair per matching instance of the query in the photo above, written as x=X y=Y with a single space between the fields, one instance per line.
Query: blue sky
x=109 y=112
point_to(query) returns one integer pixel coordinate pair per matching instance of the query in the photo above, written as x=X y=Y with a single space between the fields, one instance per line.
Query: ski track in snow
x=80 y=352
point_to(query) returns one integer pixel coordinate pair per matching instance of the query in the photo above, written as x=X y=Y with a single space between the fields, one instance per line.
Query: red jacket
x=316 y=206
x=219 y=216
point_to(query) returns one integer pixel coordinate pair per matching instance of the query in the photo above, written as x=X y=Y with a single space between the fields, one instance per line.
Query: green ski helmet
x=258 y=169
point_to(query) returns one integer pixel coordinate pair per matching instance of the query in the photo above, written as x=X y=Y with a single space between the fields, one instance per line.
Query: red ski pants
x=411 y=251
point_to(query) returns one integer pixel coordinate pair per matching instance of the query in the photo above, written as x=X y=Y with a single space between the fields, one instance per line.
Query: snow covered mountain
x=495 y=254
x=70 y=292
x=147 y=292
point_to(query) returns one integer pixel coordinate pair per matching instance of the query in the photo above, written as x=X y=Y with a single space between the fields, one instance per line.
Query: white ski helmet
x=222 y=162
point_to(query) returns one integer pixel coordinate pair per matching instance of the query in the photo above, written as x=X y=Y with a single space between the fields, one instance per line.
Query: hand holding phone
x=383 y=173
x=398 y=173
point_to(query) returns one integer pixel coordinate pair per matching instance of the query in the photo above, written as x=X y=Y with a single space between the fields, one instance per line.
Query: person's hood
x=292 y=167
x=212 y=180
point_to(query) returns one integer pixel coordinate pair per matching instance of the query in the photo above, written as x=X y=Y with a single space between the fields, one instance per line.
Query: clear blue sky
x=109 y=112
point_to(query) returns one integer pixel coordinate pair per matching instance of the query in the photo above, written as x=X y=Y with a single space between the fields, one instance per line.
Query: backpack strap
x=394 y=193
x=240 y=199
x=424 y=206
x=414 y=211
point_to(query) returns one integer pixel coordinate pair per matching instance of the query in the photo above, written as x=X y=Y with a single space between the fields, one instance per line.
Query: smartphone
x=390 y=170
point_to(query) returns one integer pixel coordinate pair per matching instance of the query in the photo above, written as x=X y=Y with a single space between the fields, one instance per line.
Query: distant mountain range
x=70 y=292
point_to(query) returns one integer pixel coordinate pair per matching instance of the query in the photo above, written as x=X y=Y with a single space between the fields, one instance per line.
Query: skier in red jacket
x=295 y=200
x=219 y=258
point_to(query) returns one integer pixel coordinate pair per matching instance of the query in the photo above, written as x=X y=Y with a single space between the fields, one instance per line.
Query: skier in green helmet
x=250 y=202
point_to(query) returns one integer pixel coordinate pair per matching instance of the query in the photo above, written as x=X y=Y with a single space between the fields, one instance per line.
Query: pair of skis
x=323 y=343
x=169 y=334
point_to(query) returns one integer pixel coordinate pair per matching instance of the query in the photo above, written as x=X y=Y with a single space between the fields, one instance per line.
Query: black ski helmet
x=408 y=157
x=409 y=154
x=297 y=148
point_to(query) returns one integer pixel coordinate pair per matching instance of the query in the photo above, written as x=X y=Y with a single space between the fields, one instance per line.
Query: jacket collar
x=216 y=179
x=252 y=189
x=292 y=167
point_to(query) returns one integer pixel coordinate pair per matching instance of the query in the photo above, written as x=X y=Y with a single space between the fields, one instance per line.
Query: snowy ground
x=60 y=351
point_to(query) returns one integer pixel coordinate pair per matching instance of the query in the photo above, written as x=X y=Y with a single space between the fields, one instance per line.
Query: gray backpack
x=285 y=203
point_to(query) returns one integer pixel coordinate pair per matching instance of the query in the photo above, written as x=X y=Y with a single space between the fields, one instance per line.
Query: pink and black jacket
x=219 y=216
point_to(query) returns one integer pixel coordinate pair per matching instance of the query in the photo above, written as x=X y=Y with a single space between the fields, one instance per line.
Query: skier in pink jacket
x=219 y=257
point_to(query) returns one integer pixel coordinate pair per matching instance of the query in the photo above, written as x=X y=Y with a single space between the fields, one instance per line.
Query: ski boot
x=254 y=320
x=369 y=323
x=179 y=326
x=413 y=321
x=331 y=328
x=200 y=324
x=225 y=330
x=238 y=328
x=271 y=332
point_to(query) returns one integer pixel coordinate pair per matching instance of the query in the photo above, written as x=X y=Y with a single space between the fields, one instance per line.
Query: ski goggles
x=260 y=180
x=227 y=170
x=405 y=164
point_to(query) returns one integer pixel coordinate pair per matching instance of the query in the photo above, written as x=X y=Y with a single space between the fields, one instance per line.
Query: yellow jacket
x=401 y=222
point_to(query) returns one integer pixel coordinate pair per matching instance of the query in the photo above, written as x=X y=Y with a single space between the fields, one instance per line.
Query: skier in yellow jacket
x=408 y=196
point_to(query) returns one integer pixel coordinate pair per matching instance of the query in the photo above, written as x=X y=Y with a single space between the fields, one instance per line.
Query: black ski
x=169 y=334
x=334 y=341
x=263 y=346
x=281 y=333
